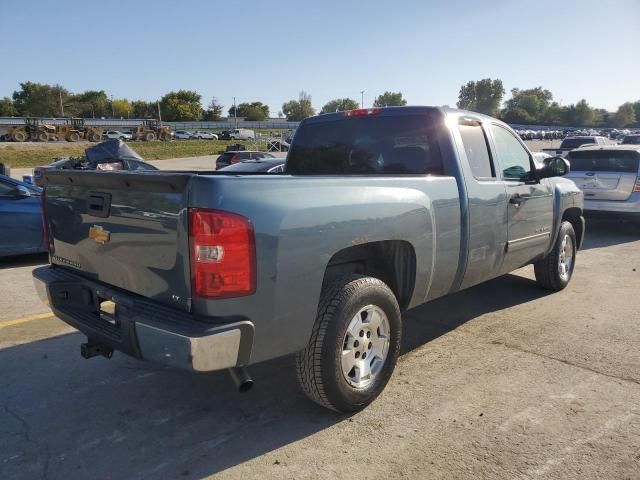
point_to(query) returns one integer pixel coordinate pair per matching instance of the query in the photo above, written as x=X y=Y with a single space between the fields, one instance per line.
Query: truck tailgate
x=128 y=230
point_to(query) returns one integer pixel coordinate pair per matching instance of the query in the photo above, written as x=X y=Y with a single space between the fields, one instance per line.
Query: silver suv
x=610 y=179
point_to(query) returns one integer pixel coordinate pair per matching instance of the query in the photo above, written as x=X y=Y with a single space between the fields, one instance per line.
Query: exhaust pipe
x=241 y=378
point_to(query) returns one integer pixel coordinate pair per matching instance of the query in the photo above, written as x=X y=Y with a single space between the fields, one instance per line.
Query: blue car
x=20 y=219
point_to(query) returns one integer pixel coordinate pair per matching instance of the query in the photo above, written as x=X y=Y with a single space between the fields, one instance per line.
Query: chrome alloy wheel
x=365 y=346
x=565 y=260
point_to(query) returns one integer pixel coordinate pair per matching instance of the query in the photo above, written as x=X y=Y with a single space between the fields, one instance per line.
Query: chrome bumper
x=143 y=328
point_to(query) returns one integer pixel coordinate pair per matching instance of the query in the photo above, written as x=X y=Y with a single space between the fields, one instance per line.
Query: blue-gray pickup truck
x=378 y=210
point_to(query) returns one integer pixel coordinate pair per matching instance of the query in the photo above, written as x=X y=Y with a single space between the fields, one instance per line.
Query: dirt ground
x=501 y=381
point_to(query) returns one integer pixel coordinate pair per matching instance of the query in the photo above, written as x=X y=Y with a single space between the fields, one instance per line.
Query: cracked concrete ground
x=501 y=381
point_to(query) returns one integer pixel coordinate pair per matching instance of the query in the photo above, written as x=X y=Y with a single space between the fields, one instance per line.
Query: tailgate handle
x=99 y=204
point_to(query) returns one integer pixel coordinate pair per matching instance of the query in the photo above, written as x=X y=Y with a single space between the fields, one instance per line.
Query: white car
x=108 y=134
x=205 y=136
x=183 y=135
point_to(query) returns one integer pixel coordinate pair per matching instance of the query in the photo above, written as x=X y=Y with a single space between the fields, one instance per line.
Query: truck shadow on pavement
x=64 y=417
x=603 y=232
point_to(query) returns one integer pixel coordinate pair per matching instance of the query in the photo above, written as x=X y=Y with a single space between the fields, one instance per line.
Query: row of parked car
x=236 y=134
x=614 y=134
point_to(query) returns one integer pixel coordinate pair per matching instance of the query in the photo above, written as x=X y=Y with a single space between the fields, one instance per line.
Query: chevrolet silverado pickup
x=377 y=211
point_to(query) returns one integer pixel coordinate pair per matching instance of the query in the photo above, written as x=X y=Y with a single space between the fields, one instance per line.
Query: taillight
x=223 y=254
x=234 y=159
x=636 y=188
x=360 y=112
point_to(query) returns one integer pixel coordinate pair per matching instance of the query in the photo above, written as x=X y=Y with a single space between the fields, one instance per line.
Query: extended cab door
x=486 y=203
x=530 y=202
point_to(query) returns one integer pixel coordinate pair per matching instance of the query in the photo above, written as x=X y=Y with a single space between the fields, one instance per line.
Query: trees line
x=529 y=106
x=536 y=106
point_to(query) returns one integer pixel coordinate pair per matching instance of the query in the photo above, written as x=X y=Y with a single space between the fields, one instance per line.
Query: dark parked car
x=110 y=155
x=631 y=140
x=229 y=158
x=20 y=218
x=258 y=165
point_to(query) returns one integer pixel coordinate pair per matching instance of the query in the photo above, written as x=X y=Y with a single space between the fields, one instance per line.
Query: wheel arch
x=392 y=261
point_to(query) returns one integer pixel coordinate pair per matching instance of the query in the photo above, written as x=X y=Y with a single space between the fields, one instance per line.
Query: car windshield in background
x=576 y=142
x=394 y=144
x=631 y=140
x=623 y=161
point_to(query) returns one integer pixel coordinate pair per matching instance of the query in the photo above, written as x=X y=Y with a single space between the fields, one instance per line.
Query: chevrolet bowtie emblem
x=99 y=234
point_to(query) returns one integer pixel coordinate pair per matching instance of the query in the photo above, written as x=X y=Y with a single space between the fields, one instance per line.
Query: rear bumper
x=626 y=208
x=143 y=328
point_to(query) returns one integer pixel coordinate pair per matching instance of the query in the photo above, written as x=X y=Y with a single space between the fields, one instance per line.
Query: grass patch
x=33 y=154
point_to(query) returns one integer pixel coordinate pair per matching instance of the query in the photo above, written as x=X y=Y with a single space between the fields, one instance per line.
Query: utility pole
x=361 y=98
x=112 y=114
x=159 y=114
x=61 y=105
x=235 y=113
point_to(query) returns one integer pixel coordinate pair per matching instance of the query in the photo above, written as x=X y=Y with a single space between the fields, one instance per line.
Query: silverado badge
x=99 y=234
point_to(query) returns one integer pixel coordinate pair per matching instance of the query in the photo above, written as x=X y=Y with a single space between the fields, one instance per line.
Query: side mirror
x=554 y=167
x=21 y=192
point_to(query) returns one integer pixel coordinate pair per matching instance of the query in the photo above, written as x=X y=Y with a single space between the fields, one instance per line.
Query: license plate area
x=108 y=311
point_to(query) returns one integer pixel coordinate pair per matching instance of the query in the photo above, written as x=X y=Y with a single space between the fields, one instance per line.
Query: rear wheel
x=554 y=272
x=354 y=345
x=74 y=137
x=150 y=136
x=19 y=136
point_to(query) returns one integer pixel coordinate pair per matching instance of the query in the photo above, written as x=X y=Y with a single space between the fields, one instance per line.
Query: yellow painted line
x=31 y=318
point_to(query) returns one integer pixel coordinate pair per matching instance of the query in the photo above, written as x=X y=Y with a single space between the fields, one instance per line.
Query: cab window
x=514 y=158
x=475 y=146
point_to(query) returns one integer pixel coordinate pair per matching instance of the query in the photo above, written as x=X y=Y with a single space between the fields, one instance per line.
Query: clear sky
x=269 y=50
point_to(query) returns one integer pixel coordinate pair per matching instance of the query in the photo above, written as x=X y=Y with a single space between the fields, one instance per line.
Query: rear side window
x=631 y=140
x=475 y=145
x=367 y=145
x=621 y=161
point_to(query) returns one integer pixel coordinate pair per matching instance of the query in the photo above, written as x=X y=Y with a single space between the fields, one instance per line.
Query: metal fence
x=115 y=123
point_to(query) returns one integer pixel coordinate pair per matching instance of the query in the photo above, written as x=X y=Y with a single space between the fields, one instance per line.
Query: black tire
x=318 y=366
x=547 y=270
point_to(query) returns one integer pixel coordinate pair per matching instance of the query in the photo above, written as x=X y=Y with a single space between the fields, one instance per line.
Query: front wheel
x=354 y=345
x=554 y=272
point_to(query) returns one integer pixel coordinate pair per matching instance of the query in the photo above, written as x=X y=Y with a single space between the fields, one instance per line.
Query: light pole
x=361 y=98
x=112 y=114
x=235 y=113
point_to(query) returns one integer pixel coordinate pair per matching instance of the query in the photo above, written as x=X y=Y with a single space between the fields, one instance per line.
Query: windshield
x=385 y=144
x=576 y=142
x=624 y=161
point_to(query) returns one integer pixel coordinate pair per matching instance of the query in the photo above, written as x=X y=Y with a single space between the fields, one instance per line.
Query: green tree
x=143 y=109
x=256 y=111
x=183 y=105
x=390 y=99
x=339 y=105
x=92 y=103
x=6 y=108
x=553 y=114
x=121 y=108
x=636 y=108
x=296 y=110
x=527 y=106
x=41 y=100
x=213 y=111
x=625 y=115
x=484 y=96
x=580 y=114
